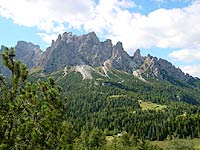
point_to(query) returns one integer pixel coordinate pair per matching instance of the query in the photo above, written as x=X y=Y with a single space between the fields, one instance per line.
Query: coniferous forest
x=66 y=112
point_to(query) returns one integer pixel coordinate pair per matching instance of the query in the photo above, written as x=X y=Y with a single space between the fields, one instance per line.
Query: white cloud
x=48 y=37
x=186 y=55
x=163 y=28
x=48 y=16
x=105 y=13
x=39 y=12
x=192 y=70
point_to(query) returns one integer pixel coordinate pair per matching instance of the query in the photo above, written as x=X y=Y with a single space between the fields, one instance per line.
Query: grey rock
x=72 y=50
x=120 y=59
x=162 y=69
x=137 y=58
x=27 y=53
x=3 y=70
x=88 y=50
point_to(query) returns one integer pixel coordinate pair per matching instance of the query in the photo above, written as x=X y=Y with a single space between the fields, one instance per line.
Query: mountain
x=161 y=69
x=104 y=87
x=72 y=50
x=87 y=56
x=88 y=50
x=27 y=53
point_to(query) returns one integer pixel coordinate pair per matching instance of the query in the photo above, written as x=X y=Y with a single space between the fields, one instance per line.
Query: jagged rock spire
x=137 y=58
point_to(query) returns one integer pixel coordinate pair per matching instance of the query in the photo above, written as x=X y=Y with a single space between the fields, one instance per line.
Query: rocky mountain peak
x=72 y=50
x=87 y=49
x=59 y=37
x=28 y=53
x=68 y=37
x=137 y=58
x=27 y=46
x=170 y=70
x=118 y=51
x=120 y=58
x=119 y=46
x=91 y=37
x=137 y=54
x=161 y=69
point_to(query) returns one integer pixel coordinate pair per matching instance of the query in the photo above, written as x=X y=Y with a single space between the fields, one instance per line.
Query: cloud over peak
x=164 y=28
x=120 y=20
x=46 y=15
x=186 y=55
x=192 y=70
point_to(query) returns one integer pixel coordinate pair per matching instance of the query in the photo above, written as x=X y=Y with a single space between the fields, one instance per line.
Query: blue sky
x=167 y=29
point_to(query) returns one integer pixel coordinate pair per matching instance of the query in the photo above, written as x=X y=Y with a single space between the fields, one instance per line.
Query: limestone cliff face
x=161 y=69
x=120 y=59
x=62 y=52
x=88 y=50
x=28 y=53
x=72 y=50
x=137 y=58
x=168 y=70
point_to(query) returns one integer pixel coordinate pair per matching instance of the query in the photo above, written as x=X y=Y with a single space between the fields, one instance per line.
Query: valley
x=85 y=89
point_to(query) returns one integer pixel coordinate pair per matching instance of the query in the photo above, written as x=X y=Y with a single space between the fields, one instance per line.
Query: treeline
x=40 y=115
x=32 y=116
x=122 y=113
x=115 y=108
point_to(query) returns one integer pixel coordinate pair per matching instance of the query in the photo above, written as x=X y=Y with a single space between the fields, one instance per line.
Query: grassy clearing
x=117 y=96
x=151 y=106
x=164 y=144
x=109 y=138
x=196 y=142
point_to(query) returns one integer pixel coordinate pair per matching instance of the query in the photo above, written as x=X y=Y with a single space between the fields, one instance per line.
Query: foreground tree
x=31 y=114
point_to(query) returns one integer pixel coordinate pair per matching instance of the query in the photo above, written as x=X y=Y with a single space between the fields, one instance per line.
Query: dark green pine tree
x=31 y=114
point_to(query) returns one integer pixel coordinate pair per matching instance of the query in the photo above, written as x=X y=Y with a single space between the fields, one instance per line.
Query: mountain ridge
x=87 y=49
